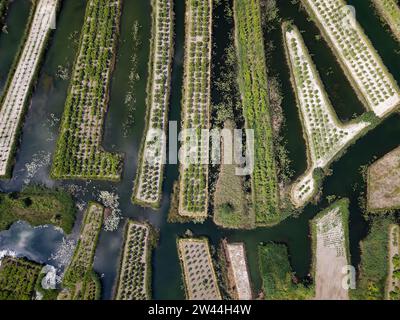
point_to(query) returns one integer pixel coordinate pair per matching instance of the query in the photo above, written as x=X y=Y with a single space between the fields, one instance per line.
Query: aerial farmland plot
x=360 y=61
x=393 y=281
x=331 y=251
x=79 y=153
x=149 y=179
x=198 y=270
x=193 y=199
x=326 y=136
x=21 y=80
x=134 y=281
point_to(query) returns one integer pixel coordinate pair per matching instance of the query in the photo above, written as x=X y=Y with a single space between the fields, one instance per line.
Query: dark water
x=40 y=131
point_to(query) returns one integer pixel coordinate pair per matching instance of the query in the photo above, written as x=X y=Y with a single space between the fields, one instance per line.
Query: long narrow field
x=134 y=281
x=80 y=281
x=361 y=63
x=149 y=179
x=253 y=84
x=389 y=10
x=21 y=81
x=329 y=230
x=238 y=270
x=383 y=187
x=193 y=198
x=393 y=281
x=326 y=136
x=199 y=275
x=79 y=153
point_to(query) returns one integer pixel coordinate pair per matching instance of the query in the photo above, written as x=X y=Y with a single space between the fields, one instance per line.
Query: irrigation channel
x=41 y=127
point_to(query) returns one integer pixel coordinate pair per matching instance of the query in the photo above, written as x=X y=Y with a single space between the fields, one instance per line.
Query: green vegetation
x=279 y=282
x=253 y=84
x=18 y=278
x=390 y=13
x=38 y=206
x=79 y=153
x=80 y=280
x=193 y=199
x=3 y=11
x=230 y=201
x=148 y=184
x=373 y=269
x=134 y=281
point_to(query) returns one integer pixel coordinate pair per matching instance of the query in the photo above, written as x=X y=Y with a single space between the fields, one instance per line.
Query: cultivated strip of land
x=238 y=271
x=389 y=10
x=193 y=197
x=331 y=251
x=393 y=280
x=199 y=275
x=253 y=85
x=20 y=84
x=325 y=135
x=80 y=281
x=384 y=183
x=134 y=281
x=361 y=63
x=79 y=153
x=147 y=191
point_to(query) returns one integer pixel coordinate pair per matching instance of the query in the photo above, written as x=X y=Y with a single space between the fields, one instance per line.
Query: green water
x=49 y=98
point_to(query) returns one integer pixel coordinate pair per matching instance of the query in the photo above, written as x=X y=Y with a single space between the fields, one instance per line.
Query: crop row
x=20 y=83
x=150 y=173
x=134 y=278
x=199 y=275
x=196 y=104
x=78 y=277
x=253 y=84
x=390 y=12
x=79 y=153
x=326 y=136
x=354 y=50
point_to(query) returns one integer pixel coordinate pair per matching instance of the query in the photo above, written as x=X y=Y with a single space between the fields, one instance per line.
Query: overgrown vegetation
x=373 y=268
x=80 y=281
x=253 y=84
x=3 y=12
x=79 y=153
x=279 y=281
x=390 y=14
x=38 y=206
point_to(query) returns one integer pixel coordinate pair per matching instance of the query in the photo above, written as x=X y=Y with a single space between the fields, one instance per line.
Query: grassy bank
x=38 y=206
x=279 y=281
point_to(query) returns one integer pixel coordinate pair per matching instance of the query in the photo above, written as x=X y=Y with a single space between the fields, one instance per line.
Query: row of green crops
x=79 y=153
x=390 y=11
x=18 y=278
x=79 y=278
x=150 y=173
x=134 y=277
x=253 y=84
x=196 y=105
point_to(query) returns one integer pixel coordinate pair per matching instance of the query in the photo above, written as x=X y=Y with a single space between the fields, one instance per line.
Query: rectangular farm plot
x=193 y=199
x=330 y=244
x=79 y=279
x=384 y=183
x=150 y=175
x=253 y=85
x=79 y=153
x=199 y=275
x=20 y=84
x=237 y=263
x=390 y=13
x=393 y=281
x=134 y=279
x=357 y=55
x=325 y=135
